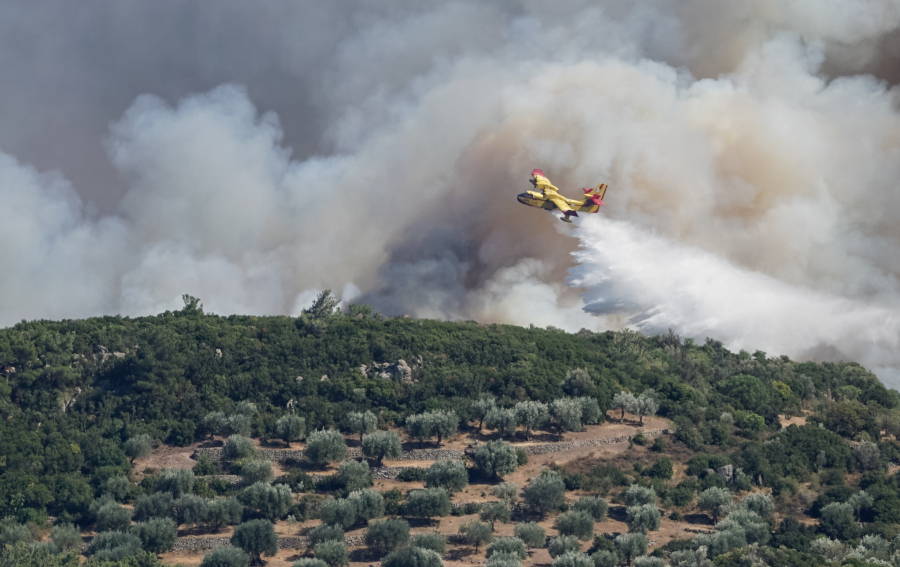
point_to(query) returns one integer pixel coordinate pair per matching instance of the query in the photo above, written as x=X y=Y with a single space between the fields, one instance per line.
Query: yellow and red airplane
x=549 y=198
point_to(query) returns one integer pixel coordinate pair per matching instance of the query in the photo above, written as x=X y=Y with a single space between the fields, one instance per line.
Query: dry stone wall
x=215 y=453
x=284 y=542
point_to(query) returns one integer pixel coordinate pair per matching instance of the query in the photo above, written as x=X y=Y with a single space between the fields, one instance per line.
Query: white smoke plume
x=253 y=157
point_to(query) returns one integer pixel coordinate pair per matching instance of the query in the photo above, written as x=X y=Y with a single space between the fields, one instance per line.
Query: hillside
x=94 y=410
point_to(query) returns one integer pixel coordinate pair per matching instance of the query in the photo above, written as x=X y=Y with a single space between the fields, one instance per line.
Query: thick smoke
x=254 y=157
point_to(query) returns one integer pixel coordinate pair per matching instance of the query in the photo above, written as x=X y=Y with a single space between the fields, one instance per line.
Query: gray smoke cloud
x=253 y=156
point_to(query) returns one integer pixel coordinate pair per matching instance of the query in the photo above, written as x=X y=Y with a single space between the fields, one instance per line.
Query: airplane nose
x=521 y=197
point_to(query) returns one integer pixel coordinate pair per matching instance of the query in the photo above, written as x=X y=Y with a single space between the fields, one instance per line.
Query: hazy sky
x=253 y=154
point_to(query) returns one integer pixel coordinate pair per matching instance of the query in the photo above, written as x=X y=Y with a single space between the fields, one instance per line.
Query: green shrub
x=334 y=553
x=531 y=533
x=595 y=506
x=325 y=533
x=256 y=538
x=226 y=556
x=435 y=542
x=413 y=557
x=238 y=447
x=511 y=545
x=387 y=535
x=563 y=544
x=157 y=535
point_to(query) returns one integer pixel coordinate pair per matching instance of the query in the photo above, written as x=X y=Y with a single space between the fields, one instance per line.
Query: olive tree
x=267 y=500
x=638 y=495
x=593 y=505
x=428 y=503
x=481 y=408
x=156 y=505
x=239 y=424
x=605 y=558
x=334 y=553
x=387 y=535
x=324 y=532
x=157 y=535
x=14 y=533
x=438 y=423
x=493 y=512
x=574 y=523
x=477 y=533
x=256 y=538
x=256 y=470
x=714 y=500
x=645 y=404
x=448 y=474
x=573 y=559
x=502 y=420
x=290 y=428
x=643 y=518
x=137 y=446
x=759 y=503
x=629 y=546
x=435 y=542
x=368 y=503
x=225 y=556
x=590 y=411
x=191 y=510
x=176 y=481
x=837 y=521
x=691 y=558
x=360 y=423
x=66 y=537
x=496 y=458
x=354 y=475
x=508 y=492
x=338 y=511
x=413 y=557
x=238 y=447
x=532 y=415
x=117 y=487
x=214 y=423
x=566 y=415
x=623 y=401
x=223 y=512
x=112 y=517
x=531 y=533
x=324 y=446
x=563 y=544
x=382 y=445
x=114 y=546
x=579 y=382
x=511 y=545
x=545 y=492
x=859 y=502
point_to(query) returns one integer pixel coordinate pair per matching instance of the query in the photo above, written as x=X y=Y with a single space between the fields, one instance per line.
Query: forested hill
x=73 y=392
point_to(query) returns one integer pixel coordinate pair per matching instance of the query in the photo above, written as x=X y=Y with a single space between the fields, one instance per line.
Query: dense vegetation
x=80 y=399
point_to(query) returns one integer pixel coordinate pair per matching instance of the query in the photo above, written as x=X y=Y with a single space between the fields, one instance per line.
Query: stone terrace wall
x=284 y=542
x=545 y=448
x=215 y=453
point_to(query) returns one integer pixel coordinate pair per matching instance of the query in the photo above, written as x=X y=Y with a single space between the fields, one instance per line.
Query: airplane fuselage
x=537 y=199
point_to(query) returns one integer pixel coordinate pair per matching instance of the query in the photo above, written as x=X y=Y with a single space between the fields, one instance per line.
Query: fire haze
x=253 y=156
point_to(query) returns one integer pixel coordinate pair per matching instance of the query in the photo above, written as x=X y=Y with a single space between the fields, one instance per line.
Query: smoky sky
x=255 y=154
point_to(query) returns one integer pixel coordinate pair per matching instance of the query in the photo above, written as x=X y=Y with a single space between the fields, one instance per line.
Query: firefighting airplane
x=549 y=198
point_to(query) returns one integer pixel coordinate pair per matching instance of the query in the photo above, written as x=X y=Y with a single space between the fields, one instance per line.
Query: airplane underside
x=546 y=204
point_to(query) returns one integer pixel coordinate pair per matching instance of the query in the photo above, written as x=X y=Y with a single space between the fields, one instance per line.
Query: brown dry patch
x=166 y=457
x=797 y=420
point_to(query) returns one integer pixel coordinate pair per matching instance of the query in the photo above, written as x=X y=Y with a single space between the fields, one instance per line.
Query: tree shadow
x=702 y=519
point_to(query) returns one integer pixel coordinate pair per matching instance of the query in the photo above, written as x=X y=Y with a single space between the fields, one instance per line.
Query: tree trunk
x=623 y=414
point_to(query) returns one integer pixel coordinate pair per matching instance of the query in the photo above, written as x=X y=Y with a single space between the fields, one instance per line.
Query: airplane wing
x=561 y=202
x=541 y=182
